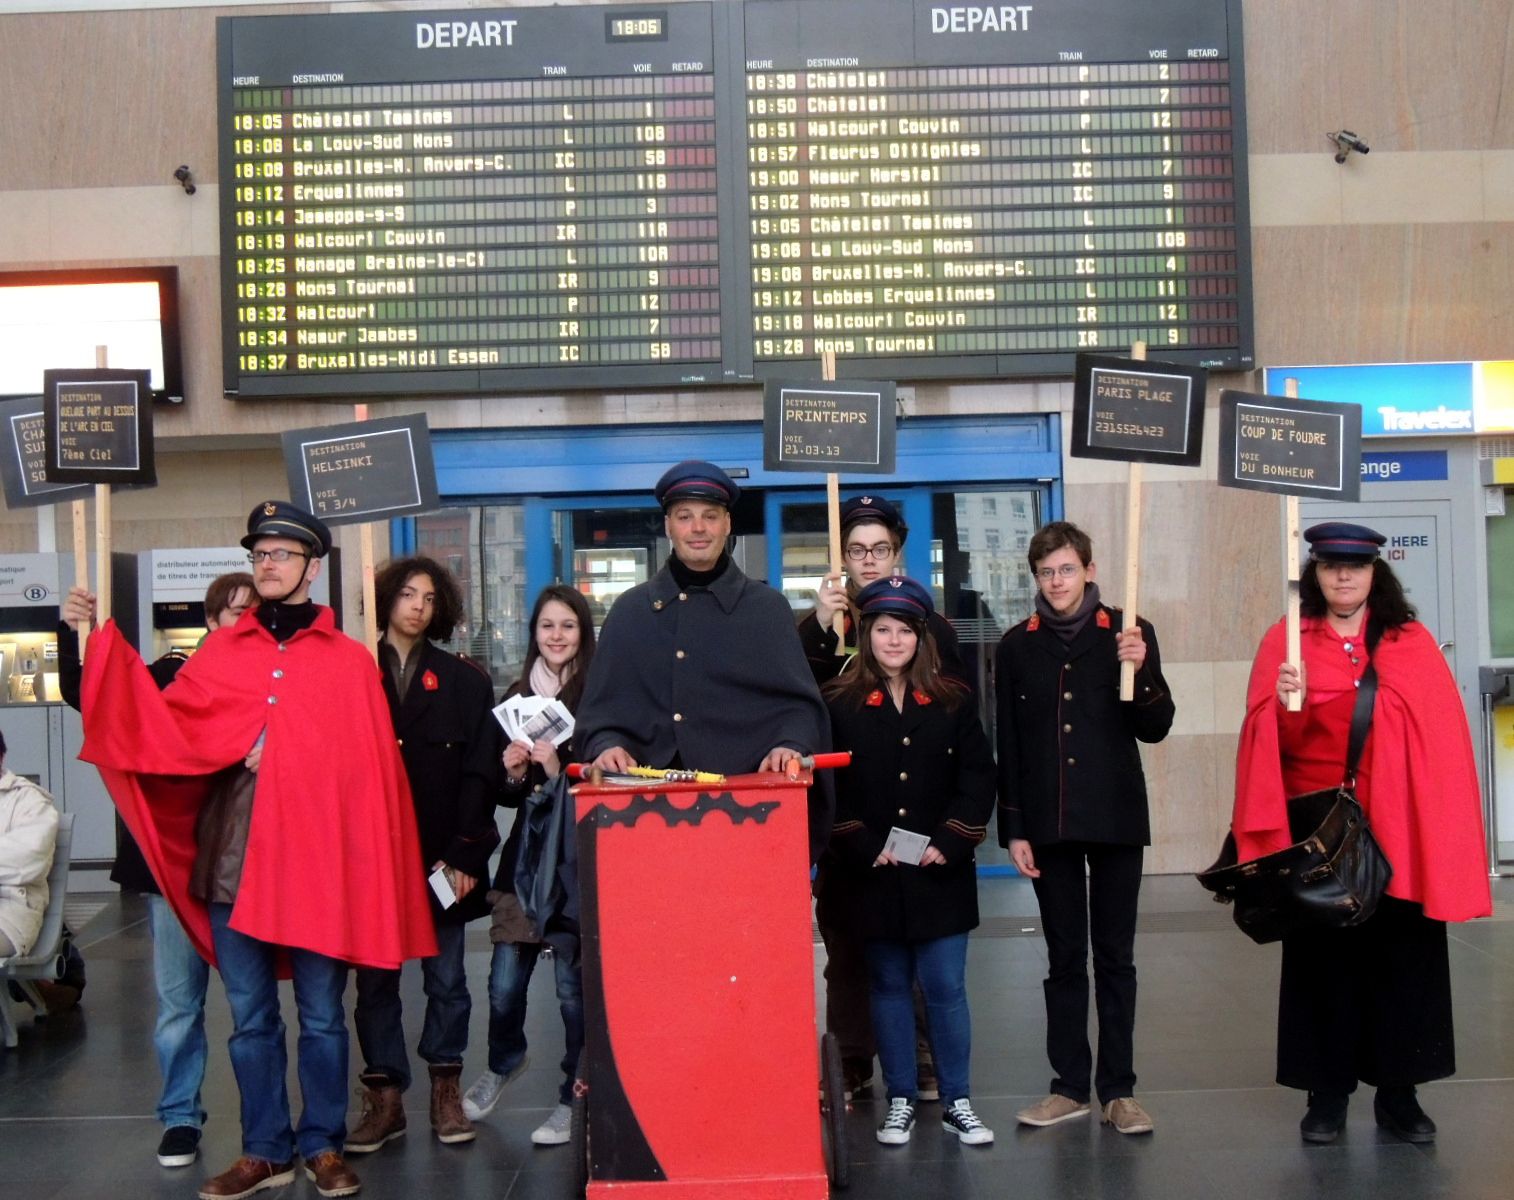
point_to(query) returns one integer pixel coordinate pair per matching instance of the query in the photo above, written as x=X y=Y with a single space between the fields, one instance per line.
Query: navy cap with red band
x=896 y=596
x=694 y=479
x=1341 y=541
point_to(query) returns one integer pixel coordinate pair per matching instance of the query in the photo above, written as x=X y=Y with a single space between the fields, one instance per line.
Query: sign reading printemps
x=1290 y=446
x=362 y=471
x=1135 y=410
x=844 y=425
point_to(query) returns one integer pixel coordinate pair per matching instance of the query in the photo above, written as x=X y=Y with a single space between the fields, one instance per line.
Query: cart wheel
x=578 y=1138
x=833 y=1113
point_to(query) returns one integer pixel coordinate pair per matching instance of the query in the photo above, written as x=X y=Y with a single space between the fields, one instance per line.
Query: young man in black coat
x=1072 y=812
x=451 y=744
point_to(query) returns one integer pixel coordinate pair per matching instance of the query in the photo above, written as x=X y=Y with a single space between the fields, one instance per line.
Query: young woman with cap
x=922 y=768
x=1371 y=1003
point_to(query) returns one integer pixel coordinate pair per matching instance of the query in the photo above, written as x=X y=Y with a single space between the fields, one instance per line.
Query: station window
x=484 y=546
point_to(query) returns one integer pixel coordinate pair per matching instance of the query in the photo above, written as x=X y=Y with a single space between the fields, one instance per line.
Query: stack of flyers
x=532 y=719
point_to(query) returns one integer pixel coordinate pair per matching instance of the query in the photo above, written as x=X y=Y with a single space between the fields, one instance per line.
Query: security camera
x=186 y=179
x=1345 y=141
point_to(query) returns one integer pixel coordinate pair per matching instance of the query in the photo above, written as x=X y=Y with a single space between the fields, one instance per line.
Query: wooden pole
x=365 y=563
x=1292 y=546
x=81 y=561
x=1132 y=551
x=833 y=513
x=103 y=539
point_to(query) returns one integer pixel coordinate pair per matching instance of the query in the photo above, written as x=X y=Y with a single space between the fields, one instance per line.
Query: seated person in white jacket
x=28 y=833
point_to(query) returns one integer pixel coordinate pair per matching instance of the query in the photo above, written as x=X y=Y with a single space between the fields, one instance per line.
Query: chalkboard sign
x=1134 y=410
x=1291 y=446
x=23 y=459
x=362 y=471
x=843 y=425
x=98 y=426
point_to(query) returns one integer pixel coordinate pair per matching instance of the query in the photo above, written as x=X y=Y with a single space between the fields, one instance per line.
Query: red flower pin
x=429 y=681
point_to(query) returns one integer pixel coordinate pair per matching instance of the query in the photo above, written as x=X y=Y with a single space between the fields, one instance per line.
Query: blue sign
x=1405 y=466
x=1397 y=399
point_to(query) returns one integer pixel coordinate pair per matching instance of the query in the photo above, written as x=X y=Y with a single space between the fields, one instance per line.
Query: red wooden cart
x=699 y=1066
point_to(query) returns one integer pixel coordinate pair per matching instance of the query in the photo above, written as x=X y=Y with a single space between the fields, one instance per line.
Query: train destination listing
x=710 y=193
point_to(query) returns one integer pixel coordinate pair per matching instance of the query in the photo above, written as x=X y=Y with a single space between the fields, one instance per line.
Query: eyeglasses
x=280 y=555
x=880 y=551
x=1066 y=571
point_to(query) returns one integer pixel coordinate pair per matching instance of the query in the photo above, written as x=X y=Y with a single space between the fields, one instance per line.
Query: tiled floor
x=76 y=1097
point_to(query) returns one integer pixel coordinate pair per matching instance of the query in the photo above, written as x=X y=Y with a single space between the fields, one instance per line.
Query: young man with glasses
x=872 y=539
x=269 y=780
x=1072 y=812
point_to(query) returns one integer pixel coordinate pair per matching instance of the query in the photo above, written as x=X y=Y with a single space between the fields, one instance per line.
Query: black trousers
x=1087 y=892
x=1370 y=1003
x=848 y=1012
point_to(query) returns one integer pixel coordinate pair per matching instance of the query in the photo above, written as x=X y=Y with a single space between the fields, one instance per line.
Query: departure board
x=510 y=199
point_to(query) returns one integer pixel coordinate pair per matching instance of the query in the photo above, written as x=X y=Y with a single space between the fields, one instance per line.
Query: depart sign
x=1290 y=446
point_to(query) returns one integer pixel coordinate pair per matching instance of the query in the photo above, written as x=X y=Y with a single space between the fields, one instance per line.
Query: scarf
x=1068 y=627
x=544 y=681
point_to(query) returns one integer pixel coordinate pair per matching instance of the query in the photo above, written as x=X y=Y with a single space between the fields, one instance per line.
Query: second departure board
x=486 y=201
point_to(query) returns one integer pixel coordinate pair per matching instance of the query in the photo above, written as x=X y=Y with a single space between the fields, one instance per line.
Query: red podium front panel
x=699 y=989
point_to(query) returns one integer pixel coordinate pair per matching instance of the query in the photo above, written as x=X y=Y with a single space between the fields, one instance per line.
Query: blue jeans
x=941 y=968
x=180 y=977
x=509 y=976
x=377 y=1015
x=259 y=1056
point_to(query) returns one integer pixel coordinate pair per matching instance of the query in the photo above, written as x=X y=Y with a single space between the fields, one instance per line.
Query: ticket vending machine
x=43 y=735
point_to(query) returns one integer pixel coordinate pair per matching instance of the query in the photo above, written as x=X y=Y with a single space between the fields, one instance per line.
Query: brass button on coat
x=677 y=716
x=1067 y=695
x=903 y=776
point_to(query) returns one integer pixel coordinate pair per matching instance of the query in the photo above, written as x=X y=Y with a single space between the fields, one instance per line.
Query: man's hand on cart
x=779 y=758
x=616 y=759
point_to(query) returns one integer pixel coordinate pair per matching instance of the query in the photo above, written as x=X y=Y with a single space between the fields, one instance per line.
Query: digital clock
x=628 y=27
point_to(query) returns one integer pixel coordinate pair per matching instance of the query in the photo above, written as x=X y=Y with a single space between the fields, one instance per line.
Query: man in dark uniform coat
x=1072 y=812
x=700 y=667
x=451 y=744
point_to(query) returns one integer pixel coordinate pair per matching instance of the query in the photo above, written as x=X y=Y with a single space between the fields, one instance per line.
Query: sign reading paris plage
x=1135 y=410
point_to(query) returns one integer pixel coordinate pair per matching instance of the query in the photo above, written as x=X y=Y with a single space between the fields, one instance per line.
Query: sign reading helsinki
x=1412 y=399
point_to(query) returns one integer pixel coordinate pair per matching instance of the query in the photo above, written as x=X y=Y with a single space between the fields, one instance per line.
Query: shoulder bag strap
x=1366 y=700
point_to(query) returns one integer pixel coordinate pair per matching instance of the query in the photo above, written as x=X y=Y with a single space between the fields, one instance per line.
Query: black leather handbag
x=1334 y=873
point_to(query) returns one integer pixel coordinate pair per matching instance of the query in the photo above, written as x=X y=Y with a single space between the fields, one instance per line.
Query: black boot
x=1326 y=1117
x=1399 y=1113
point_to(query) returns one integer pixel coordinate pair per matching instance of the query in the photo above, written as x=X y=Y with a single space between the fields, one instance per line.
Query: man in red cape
x=315 y=867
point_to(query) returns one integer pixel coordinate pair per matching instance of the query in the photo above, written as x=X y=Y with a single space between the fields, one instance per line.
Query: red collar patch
x=922 y=698
x=430 y=682
x=874 y=698
x=1034 y=623
x=1101 y=618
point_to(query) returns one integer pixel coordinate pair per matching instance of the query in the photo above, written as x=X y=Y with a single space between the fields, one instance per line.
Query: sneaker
x=246 y=1176
x=926 y=1087
x=1325 y=1118
x=180 y=1146
x=556 y=1129
x=899 y=1123
x=1127 y=1116
x=1055 y=1109
x=958 y=1117
x=484 y=1093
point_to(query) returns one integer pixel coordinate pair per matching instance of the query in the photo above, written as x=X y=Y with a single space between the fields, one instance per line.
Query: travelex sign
x=1412 y=399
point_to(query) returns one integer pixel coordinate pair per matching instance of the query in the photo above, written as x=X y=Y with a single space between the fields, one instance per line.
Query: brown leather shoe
x=331 y=1174
x=246 y=1176
x=447 y=1117
x=383 y=1117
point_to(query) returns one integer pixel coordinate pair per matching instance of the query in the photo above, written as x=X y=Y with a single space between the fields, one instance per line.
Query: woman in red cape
x=1371 y=1003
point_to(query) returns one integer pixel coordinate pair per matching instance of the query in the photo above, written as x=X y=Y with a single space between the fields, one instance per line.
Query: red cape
x=333 y=863
x=1423 y=800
